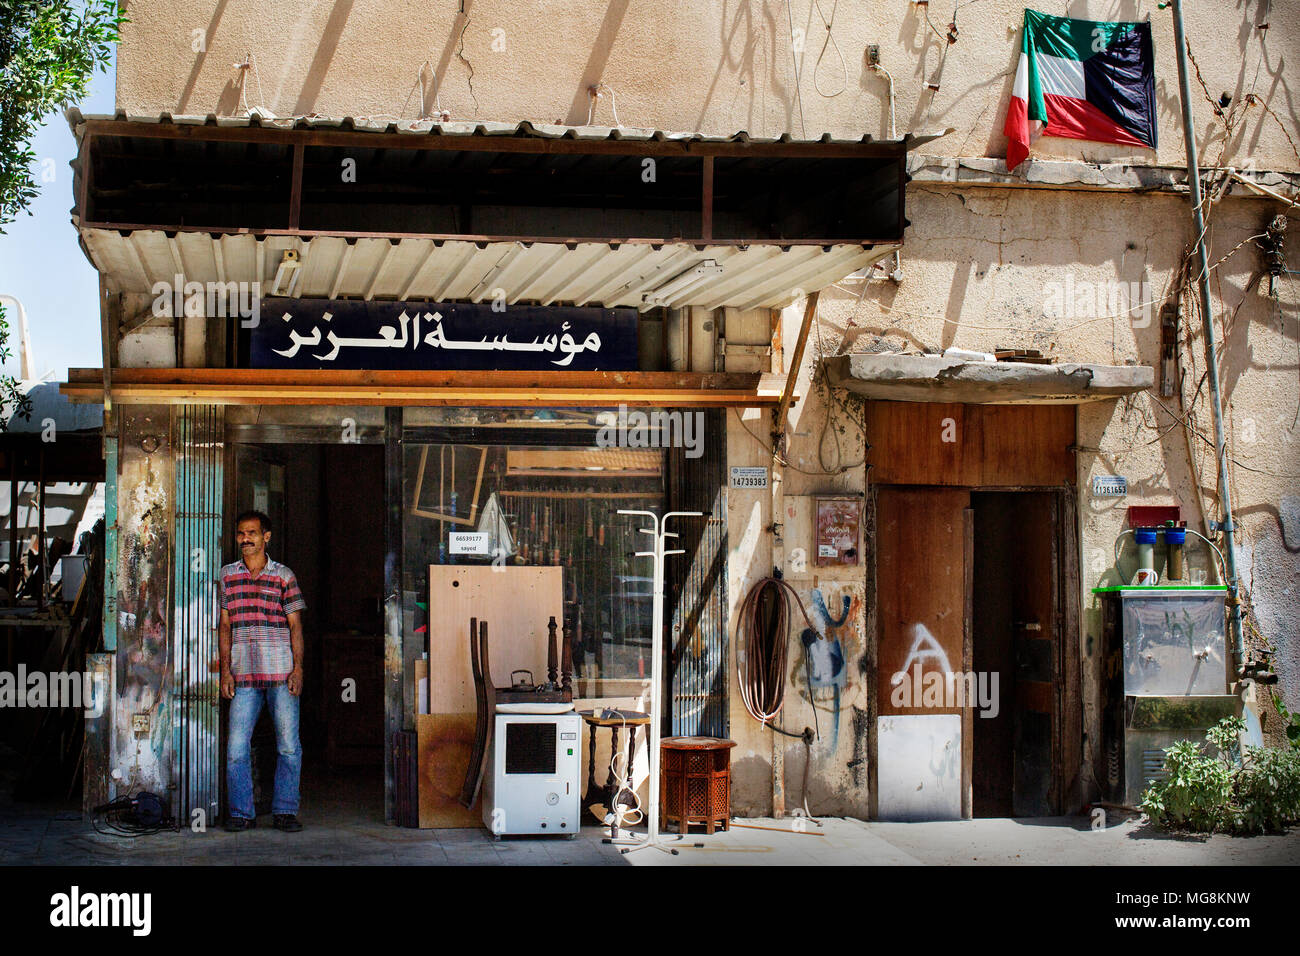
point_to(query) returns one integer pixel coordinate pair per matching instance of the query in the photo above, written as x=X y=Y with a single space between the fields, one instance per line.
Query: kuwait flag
x=1082 y=79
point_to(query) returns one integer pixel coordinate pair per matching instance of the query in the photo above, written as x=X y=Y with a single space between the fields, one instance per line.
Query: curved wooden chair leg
x=489 y=707
x=473 y=772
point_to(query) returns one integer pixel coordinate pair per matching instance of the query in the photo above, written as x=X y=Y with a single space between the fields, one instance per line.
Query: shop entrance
x=326 y=505
x=1016 y=634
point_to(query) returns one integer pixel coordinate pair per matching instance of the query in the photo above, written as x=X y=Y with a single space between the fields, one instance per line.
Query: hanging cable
x=798 y=95
x=829 y=42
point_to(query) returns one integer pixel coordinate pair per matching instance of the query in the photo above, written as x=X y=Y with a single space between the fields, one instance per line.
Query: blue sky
x=41 y=263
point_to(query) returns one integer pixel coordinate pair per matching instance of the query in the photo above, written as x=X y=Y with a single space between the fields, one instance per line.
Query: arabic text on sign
x=388 y=337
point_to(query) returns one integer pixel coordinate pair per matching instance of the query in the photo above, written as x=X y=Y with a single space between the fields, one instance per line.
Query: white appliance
x=531 y=786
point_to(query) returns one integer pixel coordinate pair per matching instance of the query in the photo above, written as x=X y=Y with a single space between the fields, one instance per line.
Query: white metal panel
x=919 y=766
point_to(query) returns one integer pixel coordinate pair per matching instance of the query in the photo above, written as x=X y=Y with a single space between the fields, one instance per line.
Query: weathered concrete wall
x=672 y=64
x=145 y=510
x=987 y=268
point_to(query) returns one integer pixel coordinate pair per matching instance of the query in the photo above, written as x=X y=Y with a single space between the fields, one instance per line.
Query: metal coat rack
x=659 y=532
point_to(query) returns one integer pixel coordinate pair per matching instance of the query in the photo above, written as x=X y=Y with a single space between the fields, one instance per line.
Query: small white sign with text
x=468 y=542
x=748 y=477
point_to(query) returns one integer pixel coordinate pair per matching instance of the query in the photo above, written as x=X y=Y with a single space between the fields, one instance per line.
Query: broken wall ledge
x=1078 y=174
x=934 y=378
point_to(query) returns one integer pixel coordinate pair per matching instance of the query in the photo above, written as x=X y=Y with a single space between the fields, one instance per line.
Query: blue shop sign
x=345 y=334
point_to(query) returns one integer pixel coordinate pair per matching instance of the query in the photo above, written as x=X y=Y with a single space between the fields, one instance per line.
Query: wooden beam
x=108 y=330
x=84 y=198
x=796 y=360
x=441 y=237
x=295 y=189
x=706 y=211
x=420 y=387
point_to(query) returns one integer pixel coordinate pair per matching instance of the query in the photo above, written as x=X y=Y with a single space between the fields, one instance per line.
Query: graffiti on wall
x=821 y=671
x=144 y=544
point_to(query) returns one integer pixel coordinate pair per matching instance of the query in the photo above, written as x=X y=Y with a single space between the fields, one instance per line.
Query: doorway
x=326 y=505
x=977 y=591
x=1015 y=636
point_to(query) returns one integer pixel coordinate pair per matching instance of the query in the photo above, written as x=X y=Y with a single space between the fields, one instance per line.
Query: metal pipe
x=897 y=274
x=1207 y=316
x=1263 y=190
x=40 y=530
x=24 y=339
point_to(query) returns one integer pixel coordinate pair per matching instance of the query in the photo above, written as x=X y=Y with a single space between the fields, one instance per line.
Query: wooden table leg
x=590 y=797
x=611 y=783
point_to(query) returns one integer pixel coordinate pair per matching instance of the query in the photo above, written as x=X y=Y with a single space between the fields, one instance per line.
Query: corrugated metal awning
x=476 y=128
x=143 y=223
x=589 y=273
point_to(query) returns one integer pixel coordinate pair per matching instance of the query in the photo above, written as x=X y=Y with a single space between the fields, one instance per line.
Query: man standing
x=261 y=647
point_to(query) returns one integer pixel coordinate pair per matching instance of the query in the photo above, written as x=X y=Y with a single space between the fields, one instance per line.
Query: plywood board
x=919 y=443
x=1026 y=445
x=445 y=742
x=515 y=602
x=920 y=767
x=941 y=443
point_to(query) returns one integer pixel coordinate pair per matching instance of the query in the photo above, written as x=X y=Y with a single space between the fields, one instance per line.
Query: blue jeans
x=244 y=711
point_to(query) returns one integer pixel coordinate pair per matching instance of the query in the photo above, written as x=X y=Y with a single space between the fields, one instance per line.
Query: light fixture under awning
x=934 y=378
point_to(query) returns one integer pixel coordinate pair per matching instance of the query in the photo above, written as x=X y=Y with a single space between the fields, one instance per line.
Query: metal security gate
x=697 y=583
x=195 y=686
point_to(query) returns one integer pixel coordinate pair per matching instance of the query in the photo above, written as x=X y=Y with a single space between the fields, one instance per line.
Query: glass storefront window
x=520 y=487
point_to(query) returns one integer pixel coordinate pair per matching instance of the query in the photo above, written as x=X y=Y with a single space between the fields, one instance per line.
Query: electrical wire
x=762 y=641
x=119 y=818
x=597 y=91
x=829 y=41
x=623 y=818
x=798 y=94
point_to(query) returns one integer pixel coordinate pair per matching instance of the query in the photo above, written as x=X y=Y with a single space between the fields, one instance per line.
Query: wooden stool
x=695 y=782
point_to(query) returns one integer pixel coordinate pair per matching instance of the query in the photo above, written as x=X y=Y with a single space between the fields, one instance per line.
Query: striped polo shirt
x=259 y=606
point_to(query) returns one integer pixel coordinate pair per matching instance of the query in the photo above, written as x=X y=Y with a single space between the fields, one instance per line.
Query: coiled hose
x=763 y=638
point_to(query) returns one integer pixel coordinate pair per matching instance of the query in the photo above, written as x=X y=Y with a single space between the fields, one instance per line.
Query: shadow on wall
x=235 y=94
x=320 y=61
x=601 y=45
x=224 y=105
x=766 y=37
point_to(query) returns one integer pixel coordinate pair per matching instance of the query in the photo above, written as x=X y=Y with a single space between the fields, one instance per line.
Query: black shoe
x=239 y=824
x=287 y=822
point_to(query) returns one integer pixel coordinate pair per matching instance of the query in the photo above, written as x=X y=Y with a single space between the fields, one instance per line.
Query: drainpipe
x=1211 y=363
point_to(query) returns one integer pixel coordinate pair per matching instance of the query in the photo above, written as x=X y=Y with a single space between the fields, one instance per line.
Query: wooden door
x=922 y=588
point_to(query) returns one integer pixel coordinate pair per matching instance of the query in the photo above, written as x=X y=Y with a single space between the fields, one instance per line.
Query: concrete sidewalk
x=31 y=838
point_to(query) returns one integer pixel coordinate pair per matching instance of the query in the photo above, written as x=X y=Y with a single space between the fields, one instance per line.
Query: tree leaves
x=49 y=50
